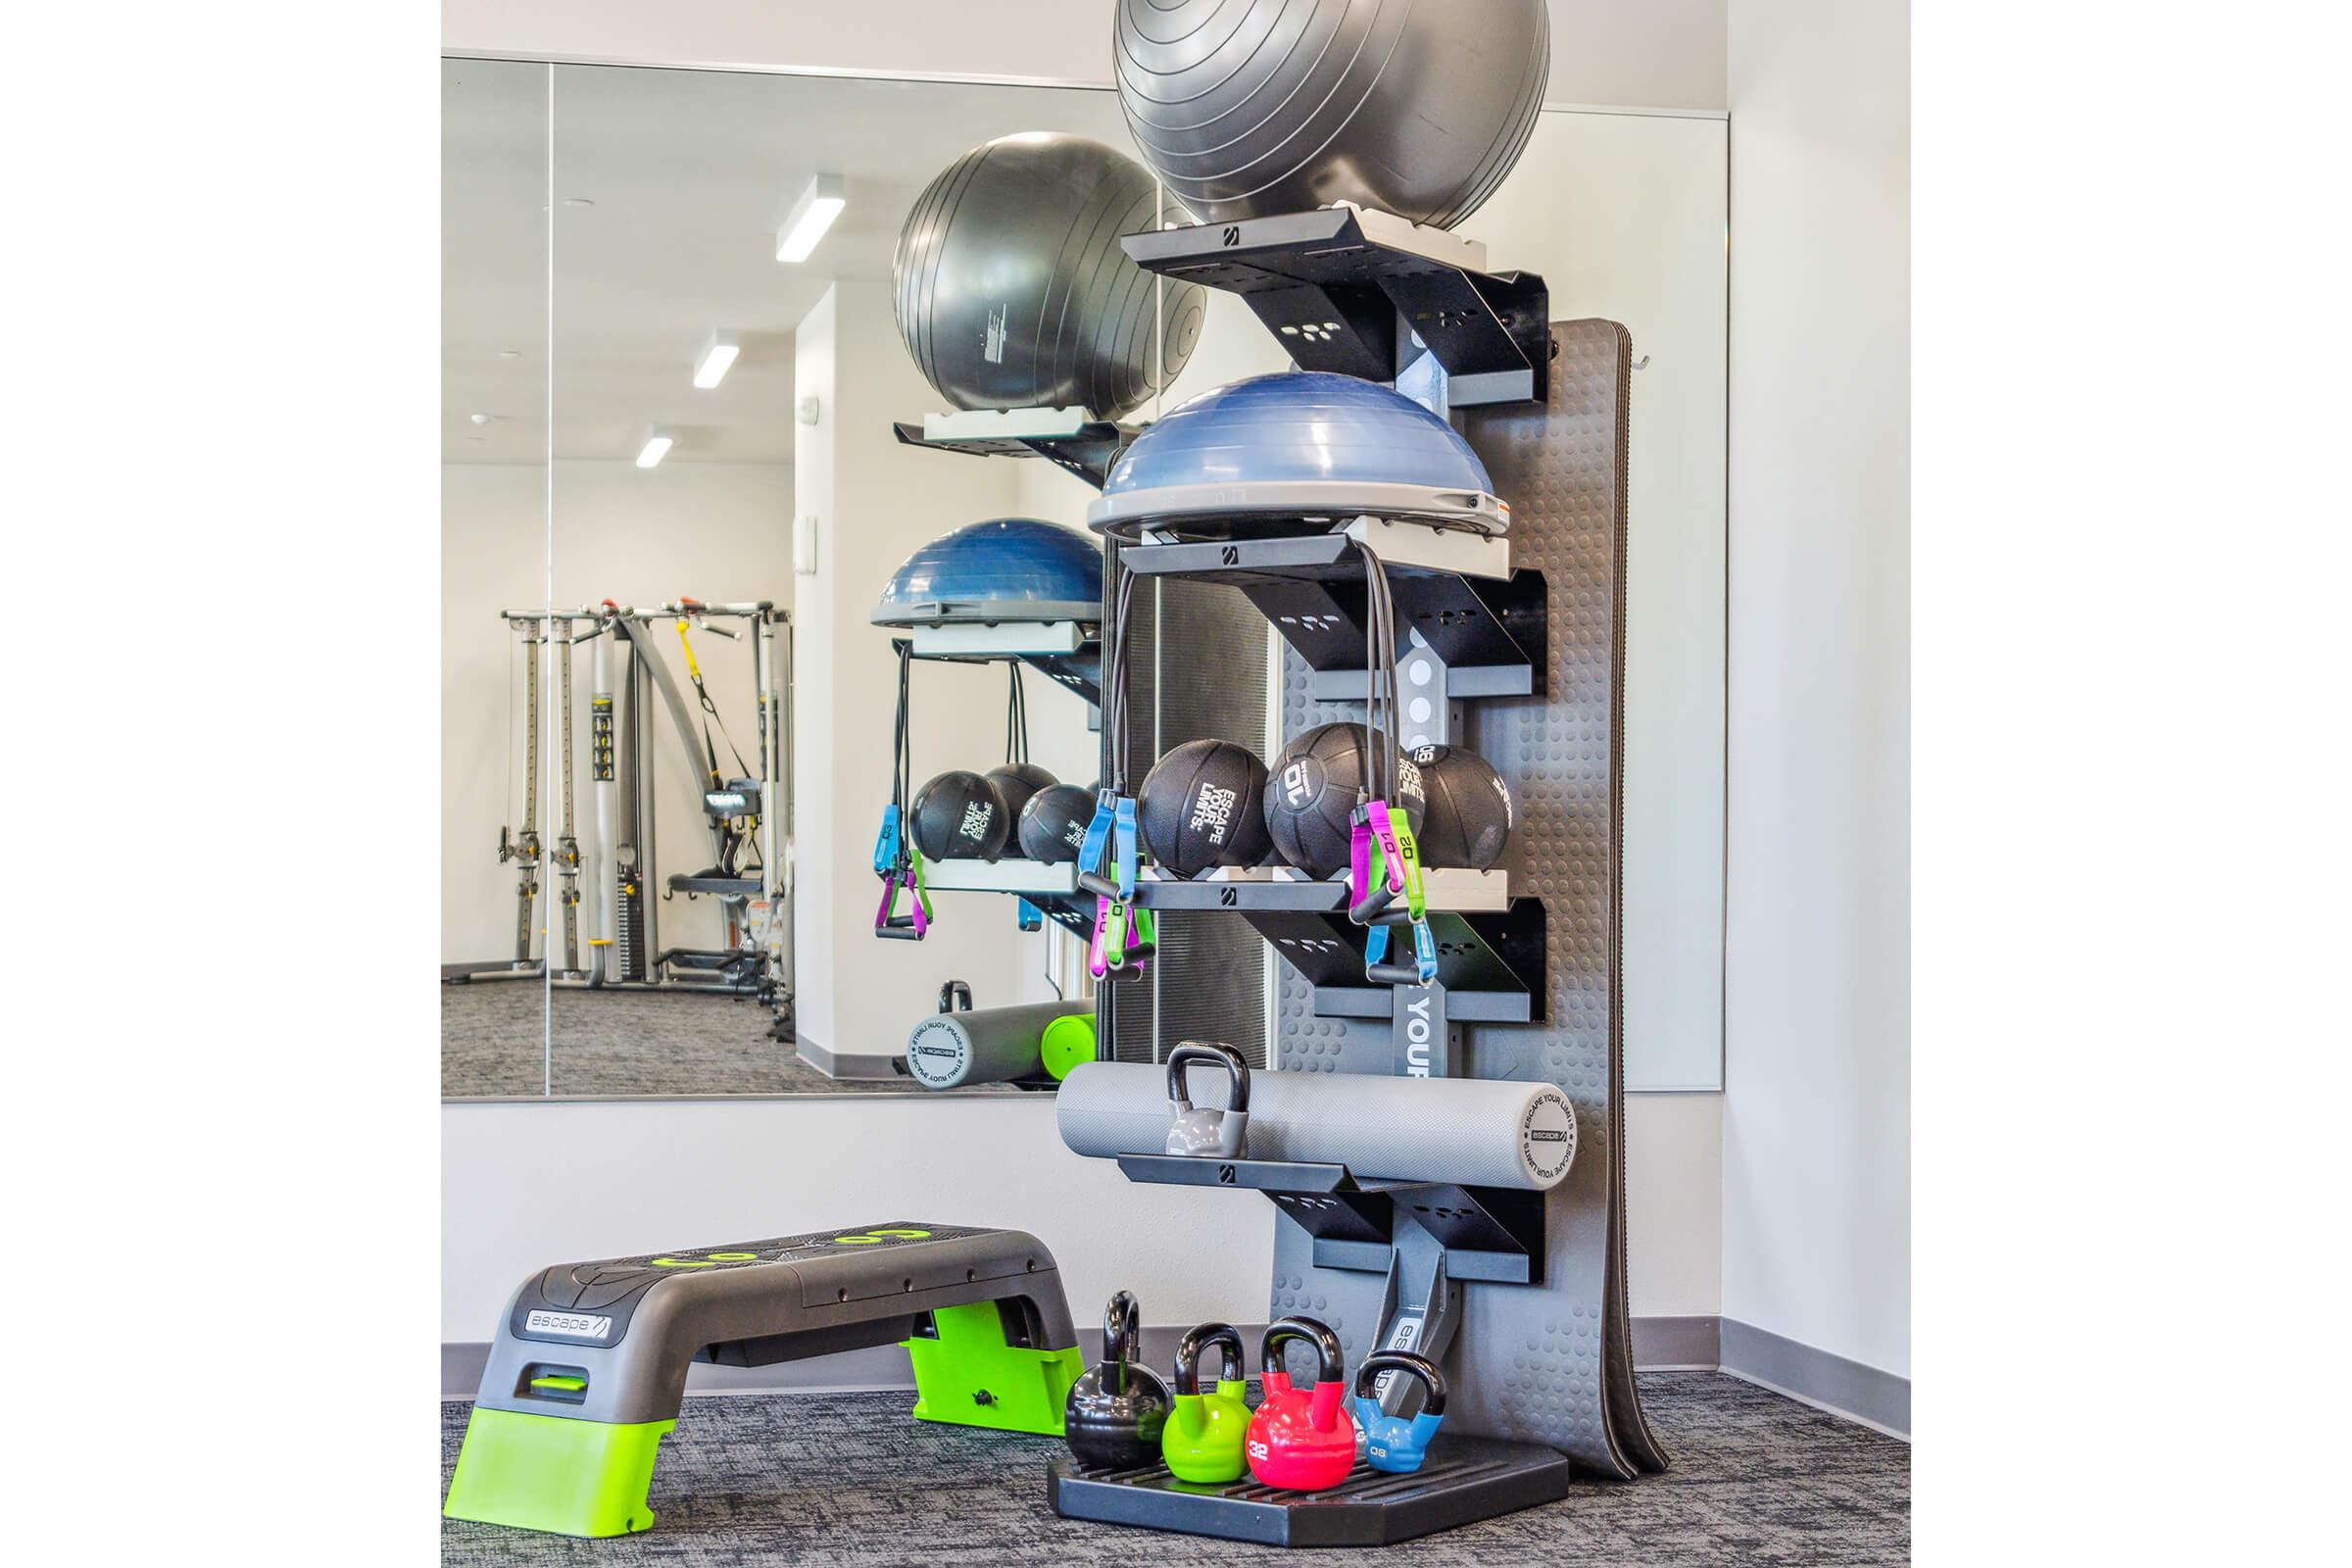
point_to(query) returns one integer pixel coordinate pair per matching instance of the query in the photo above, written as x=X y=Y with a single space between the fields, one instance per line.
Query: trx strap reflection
x=1123 y=938
x=896 y=859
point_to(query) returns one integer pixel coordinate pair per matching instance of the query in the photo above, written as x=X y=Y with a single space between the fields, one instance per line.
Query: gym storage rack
x=1513 y=645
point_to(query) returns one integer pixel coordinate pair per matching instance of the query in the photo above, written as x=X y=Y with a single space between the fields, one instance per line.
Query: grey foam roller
x=1011 y=291
x=1249 y=107
x=983 y=1046
x=1479 y=1132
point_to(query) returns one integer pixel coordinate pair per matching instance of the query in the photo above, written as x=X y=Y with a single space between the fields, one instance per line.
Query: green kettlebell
x=1202 y=1438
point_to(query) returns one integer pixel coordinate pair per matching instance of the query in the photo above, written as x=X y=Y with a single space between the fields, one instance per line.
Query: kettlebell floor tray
x=1465 y=1480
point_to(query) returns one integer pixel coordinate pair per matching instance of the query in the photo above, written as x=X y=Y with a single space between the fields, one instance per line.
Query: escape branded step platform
x=588 y=1370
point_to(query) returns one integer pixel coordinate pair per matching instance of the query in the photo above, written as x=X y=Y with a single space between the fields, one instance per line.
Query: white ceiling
x=689 y=173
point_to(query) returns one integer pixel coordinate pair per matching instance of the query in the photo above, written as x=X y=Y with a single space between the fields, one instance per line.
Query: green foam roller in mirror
x=1067 y=1042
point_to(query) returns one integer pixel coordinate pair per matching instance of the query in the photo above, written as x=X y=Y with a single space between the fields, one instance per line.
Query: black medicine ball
x=1470 y=816
x=1201 y=808
x=1053 y=824
x=1015 y=782
x=959 y=816
x=1310 y=796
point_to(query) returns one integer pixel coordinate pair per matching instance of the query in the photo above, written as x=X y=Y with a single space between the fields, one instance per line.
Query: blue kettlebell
x=1394 y=1442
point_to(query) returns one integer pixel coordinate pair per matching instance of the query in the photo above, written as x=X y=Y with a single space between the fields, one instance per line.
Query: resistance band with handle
x=1123 y=939
x=896 y=859
x=1384 y=861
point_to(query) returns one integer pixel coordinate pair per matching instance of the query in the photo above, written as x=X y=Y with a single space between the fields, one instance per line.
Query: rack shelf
x=1354 y=291
x=1488 y=1233
x=1455 y=591
x=1280 y=889
x=1032 y=879
x=1063 y=437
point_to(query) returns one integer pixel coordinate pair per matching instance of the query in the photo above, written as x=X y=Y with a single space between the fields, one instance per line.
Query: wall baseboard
x=1818 y=1377
x=1755 y=1356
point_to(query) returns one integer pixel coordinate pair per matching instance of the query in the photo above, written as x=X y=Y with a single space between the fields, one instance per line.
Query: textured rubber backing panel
x=1199 y=673
x=1551 y=1363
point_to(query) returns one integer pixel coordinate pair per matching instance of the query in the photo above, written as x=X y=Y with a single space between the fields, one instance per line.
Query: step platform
x=588 y=1371
x=1465 y=1480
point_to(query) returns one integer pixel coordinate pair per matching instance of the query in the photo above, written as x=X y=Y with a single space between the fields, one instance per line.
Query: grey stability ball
x=1250 y=107
x=1011 y=290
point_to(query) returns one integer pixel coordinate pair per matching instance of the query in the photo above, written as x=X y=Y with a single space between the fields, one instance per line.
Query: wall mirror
x=494 y=529
x=702 y=535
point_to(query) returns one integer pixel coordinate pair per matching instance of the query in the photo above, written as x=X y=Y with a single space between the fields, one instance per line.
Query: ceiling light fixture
x=656 y=448
x=812 y=216
x=710 y=366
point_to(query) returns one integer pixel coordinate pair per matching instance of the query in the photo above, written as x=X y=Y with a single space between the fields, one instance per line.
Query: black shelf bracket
x=1490 y=965
x=1086 y=448
x=1360 y=293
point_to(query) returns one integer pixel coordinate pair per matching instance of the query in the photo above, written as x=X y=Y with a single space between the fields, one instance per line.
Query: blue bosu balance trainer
x=1006 y=569
x=1297 y=449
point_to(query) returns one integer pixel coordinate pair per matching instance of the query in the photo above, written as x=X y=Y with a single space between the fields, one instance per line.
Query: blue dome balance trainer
x=1299 y=446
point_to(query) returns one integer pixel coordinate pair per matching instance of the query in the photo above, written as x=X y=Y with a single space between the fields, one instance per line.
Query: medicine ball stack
x=1311 y=796
x=1201 y=807
x=960 y=816
x=1052 y=825
x=1470 y=817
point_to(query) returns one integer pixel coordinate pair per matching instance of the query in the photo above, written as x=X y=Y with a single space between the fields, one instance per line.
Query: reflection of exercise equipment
x=1248 y=107
x=1017 y=778
x=955 y=1046
x=744 y=808
x=588 y=1368
x=1008 y=588
x=1011 y=291
x=959 y=815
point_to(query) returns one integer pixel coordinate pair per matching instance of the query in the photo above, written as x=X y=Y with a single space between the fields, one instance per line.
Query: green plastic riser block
x=553 y=1473
x=968 y=1376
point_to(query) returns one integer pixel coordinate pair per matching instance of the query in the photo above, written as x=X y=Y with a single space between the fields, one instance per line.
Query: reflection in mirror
x=728 y=369
x=494 y=299
x=776 y=384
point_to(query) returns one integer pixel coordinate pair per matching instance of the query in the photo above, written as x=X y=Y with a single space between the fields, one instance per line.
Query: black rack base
x=1463 y=1481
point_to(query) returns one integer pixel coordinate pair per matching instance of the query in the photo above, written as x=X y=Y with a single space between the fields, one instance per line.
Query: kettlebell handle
x=1282 y=1330
x=1236 y=1068
x=953 y=993
x=1228 y=1340
x=1122 y=1337
x=1418 y=1367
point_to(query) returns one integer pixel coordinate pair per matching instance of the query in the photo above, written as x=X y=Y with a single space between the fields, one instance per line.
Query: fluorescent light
x=812 y=216
x=716 y=358
x=656 y=446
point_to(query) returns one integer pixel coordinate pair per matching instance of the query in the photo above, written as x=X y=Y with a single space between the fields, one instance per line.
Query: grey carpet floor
x=849 y=1478
x=497 y=1040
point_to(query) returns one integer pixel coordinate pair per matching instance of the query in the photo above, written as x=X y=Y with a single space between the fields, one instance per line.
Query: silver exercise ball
x=1011 y=291
x=1250 y=107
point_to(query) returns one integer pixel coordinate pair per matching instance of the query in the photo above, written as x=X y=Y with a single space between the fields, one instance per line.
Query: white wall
x=1816 y=1205
x=708 y=530
x=1665 y=54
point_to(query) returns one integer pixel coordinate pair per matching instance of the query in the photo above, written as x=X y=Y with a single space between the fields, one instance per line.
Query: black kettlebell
x=1114 y=1412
